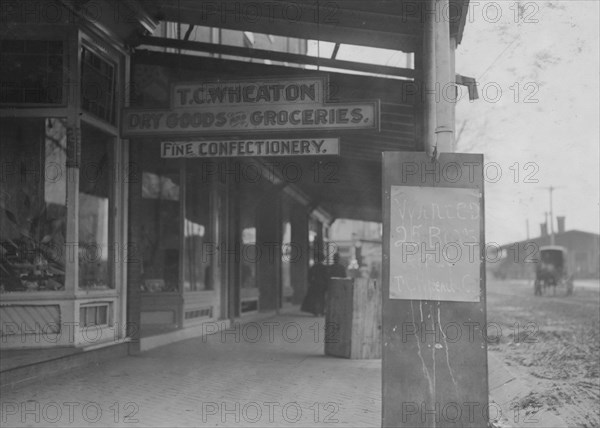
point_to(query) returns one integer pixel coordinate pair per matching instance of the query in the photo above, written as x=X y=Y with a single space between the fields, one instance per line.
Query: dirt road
x=553 y=344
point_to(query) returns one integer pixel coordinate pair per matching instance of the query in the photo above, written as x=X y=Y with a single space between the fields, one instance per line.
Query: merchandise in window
x=95 y=179
x=160 y=223
x=197 y=245
x=31 y=72
x=33 y=209
x=250 y=254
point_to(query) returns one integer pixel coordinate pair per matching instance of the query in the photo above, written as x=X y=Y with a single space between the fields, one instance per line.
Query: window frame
x=88 y=42
x=74 y=38
x=116 y=228
x=109 y=314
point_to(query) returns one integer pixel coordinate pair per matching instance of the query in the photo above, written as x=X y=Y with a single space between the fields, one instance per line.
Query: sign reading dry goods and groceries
x=241 y=148
x=435 y=243
x=229 y=107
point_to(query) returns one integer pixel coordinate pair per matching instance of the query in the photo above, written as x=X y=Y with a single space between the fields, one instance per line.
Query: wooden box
x=353 y=318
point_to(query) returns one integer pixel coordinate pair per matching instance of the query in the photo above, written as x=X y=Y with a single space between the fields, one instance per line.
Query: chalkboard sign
x=434 y=243
x=433 y=282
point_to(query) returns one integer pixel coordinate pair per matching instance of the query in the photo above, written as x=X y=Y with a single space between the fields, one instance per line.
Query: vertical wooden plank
x=359 y=317
x=434 y=352
x=378 y=328
x=179 y=314
x=268 y=240
x=299 y=257
x=353 y=319
x=216 y=216
x=231 y=251
x=134 y=248
x=122 y=240
x=339 y=314
x=366 y=338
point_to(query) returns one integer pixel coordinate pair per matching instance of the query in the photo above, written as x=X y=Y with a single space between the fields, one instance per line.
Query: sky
x=536 y=119
x=536 y=122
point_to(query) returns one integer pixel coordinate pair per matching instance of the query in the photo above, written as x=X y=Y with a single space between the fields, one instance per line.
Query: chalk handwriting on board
x=435 y=243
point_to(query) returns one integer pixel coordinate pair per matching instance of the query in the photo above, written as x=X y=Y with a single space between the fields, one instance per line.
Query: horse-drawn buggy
x=552 y=270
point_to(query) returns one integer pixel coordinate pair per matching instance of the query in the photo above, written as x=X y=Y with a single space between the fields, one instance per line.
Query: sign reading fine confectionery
x=229 y=107
x=241 y=148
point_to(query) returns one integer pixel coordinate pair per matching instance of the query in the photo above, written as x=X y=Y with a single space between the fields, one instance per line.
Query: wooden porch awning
x=390 y=24
x=353 y=187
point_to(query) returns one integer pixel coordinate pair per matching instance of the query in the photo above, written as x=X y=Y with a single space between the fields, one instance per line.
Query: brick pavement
x=264 y=373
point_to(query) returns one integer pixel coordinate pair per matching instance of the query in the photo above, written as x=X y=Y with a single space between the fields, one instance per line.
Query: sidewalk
x=260 y=374
x=266 y=373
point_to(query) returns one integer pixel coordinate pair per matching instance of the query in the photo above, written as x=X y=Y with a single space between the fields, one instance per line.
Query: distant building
x=517 y=260
x=359 y=245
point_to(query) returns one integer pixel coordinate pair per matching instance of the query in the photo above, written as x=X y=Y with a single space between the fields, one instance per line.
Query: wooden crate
x=353 y=318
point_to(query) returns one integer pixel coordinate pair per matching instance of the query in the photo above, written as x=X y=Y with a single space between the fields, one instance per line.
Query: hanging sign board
x=227 y=120
x=299 y=90
x=434 y=331
x=434 y=243
x=267 y=105
x=248 y=148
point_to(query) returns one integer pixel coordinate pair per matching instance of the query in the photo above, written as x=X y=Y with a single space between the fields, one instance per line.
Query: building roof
x=557 y=236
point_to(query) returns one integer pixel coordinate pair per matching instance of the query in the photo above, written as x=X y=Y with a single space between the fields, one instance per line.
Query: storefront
x=109 y=235
x=224 y=233
x=153 y=182
x=64 y=210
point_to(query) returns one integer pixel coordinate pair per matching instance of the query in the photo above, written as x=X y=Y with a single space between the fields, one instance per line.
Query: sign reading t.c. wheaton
x=229 y=107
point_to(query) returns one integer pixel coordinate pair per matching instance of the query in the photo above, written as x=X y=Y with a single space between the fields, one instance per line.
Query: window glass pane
x=31 y=71
x=249 y=251
x=196 y=260
x=95 y=174
x=33 y=211
x=102 y=315
x=249 y=257
x=160 y=221
x=97 y=85
x=90 y=315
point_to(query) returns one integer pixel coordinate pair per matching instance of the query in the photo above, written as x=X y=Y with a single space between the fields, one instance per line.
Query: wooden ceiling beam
x=332 y=22
x=276 y=56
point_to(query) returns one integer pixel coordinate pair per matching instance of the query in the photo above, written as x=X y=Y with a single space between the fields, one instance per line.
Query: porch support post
x=439 y=90
x=429 y=77
x=453 y=88
x=445 y=80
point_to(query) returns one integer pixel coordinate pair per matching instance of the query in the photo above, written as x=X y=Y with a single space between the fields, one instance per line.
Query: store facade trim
x=64 y=212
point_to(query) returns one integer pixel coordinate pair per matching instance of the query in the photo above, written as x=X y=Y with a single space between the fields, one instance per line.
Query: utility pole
x=551 y=218
x=551 y=189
